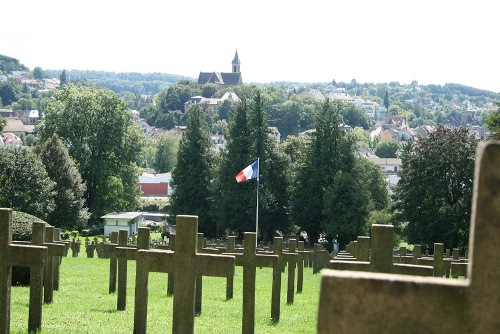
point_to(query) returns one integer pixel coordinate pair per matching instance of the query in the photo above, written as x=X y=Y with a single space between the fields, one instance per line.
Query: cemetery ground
x=83 y=305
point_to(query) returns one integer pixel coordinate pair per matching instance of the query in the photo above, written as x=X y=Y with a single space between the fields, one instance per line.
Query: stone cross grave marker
x=58 y=257
x=110 y=248
x=437 y=261
x=186 y=264
x=437 y=304
x=230 y=248
x=277 y=270
x=249 y=260
x=381 y=261
x=16 y=255
x=291 y=259
x=170 y=276
x=301 y=254
x=48 y=273
x=75 y=247
x=123 y=253
x=201 y=248
x=36 y=274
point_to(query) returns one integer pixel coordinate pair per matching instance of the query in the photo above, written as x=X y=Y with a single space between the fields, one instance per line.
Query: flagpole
x=257 y=211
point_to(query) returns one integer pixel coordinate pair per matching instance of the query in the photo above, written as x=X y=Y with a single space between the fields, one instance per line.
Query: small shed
x=117 y=221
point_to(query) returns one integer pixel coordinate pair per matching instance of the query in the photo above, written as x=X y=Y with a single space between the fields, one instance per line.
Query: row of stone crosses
x=368 y=288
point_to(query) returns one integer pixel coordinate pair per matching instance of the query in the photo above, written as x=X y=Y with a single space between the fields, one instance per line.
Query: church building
x=224 y=79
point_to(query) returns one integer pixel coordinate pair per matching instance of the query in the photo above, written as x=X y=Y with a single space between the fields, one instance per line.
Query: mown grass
x=83 y=304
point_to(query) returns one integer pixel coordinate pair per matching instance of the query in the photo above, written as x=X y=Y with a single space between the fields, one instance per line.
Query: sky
x=432 y=42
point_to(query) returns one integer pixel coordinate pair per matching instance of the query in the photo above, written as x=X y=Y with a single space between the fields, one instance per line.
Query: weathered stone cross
x=17 y=255
x=249 y=260
x=361 y=302
x=186 y=264
x=123 y=253
x=381 y=261
x=36 y=274
x=110 y=248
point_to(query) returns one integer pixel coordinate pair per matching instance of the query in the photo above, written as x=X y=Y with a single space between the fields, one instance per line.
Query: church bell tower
x=236 y=63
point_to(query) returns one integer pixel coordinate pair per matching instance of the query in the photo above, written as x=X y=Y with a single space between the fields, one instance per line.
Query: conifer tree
x=329 y=151
x=69 y=211
x=193 y=174
x=234 y=206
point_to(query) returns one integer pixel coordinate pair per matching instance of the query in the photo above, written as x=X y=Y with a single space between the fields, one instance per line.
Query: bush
x=21 y=231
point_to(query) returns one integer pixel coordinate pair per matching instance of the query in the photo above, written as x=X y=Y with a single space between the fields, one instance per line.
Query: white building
x=117 y=221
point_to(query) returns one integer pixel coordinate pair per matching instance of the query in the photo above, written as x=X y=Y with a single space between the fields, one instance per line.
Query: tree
x=234 y=207
x=3 y=124
x=209 y=90
x=193 y=174
x=9 y=92
x=347 y=209
x=434 y=194
x=249 y=138
x=493 y=123
x=387 y=149
x=329 y=151
x=94 y=125
x=386 y=99
x=62 y=79
x=273 y=185
x=355 y=116
x=38 y=73
x=69 y=211
x=24 y=183
x=166 y=153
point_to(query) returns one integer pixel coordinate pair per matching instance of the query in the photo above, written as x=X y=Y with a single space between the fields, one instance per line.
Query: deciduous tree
x=96 y=128
x=434 y=194
x=24 y=182
x=493 y=123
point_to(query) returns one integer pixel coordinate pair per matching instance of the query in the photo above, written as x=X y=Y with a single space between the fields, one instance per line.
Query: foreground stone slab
x=438 y=305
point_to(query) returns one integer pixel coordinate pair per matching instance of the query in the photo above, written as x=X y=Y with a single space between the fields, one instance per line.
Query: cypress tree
x=193 y=174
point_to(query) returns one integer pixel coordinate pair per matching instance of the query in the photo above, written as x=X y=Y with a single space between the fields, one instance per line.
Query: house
x=387 y=165
x=223 y=79
x=219 y=142
x=316 y=93
x=209 y=104
x=10 y=139
x=117 y=221
x=15 y=126
x=155 y=184
x=342 y=95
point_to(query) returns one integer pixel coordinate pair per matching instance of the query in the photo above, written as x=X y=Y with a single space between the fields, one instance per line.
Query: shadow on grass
x=274 y=322
x=105 y=310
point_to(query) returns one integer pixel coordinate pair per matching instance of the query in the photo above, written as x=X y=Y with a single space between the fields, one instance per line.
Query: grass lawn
x=83 y=304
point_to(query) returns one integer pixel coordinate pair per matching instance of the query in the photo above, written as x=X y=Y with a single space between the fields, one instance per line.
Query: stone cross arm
x=215 y=265
x=127 y=253
x=157 y=260
x=54 y=249
x=261 y=260
x=25 y=256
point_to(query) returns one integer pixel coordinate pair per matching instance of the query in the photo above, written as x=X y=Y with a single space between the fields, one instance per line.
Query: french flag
x=250 y=172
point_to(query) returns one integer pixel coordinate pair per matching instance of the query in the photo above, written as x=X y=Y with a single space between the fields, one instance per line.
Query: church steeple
x=236 y=63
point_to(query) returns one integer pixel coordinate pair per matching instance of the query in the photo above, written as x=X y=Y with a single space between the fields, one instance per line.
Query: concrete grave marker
x=36 y=274
x=123 y=253
x=17 y=255
x=186 y=264
x=436 y=261
x=437 y=304
x=381 y=261
x=110 y=248
x=249 y=260
x=291 y=259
